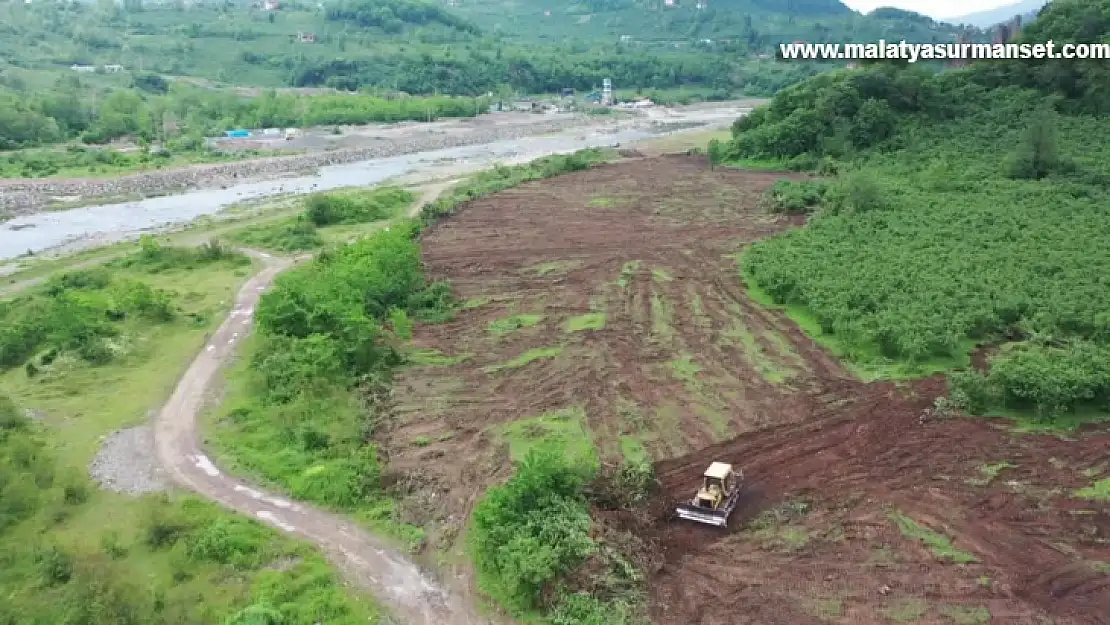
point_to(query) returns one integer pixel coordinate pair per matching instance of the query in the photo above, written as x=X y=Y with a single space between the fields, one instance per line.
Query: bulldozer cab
x=716 y=484
x=719 y=476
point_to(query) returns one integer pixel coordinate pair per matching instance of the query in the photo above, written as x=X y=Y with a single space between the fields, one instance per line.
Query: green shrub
x=341 y=483
x=584 y=609
x=162 y=525
x=326 y=209
x=154 y=257
x=291 y=235
x=1048 y=379
x=1038 y=154
x=55 y=566
x=531 y=530
x=236 y=542
x=788 y=196
x=77 y=312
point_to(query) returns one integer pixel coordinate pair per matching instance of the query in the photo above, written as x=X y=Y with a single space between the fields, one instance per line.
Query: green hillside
x=384 y=46
x=730 y=25
x=969 y=210
x=396 y=44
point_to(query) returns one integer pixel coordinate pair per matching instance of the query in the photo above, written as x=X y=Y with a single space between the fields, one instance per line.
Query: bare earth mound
x=606 y=304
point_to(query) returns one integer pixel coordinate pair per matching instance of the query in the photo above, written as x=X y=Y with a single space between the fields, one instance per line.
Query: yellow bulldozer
x=717 y=497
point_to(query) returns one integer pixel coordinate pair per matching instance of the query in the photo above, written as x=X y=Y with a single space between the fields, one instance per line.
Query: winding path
x=408 y=592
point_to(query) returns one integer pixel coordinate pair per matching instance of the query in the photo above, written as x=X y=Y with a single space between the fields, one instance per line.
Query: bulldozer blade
x=709 y=517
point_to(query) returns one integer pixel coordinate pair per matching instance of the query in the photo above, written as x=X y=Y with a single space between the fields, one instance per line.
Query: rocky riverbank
x=22 y=197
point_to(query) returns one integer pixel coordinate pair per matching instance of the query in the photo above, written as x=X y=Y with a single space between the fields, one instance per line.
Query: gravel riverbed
x=25 y=196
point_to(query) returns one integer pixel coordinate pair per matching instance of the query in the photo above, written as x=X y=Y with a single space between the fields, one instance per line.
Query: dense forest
x=968 y=210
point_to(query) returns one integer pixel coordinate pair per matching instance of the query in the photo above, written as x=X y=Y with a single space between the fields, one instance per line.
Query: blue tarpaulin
x=238 y=134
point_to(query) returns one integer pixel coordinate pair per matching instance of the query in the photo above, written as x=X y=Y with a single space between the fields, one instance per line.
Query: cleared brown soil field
x=605 y=306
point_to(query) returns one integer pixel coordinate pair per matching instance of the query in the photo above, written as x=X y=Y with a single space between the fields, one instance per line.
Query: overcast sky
x=935 y=9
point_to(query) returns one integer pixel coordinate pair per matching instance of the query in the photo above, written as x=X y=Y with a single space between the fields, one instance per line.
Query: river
x=92 y=226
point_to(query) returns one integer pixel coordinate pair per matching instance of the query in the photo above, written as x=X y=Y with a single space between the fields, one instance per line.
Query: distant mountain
x=990 y=17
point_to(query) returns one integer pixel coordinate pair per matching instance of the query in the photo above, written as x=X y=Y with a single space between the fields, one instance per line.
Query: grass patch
x=989 y=472
x=706 y=405
x=776 y=529
x=966 y=615
x=938 y=544
x=905 y=611
x=1027 y=421
x=476 y=302
x=525 y=358
x=511 y=324
x=824 y=609
x=759 y=164
x=628 y=270
x=588 y=321
x=356 y=206
x=684 y=141
x=633 y=451
x=331 y=217
x=662 y=317
x=553 y=266
x=661 y=275
x=563 y=431
x=602 y=202
x=741 y=336
x=295 y=234
x=435 y=358
x=1099 y=491
x=685 y=369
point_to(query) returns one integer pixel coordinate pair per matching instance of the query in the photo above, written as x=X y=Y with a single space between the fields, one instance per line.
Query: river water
x=110 y=223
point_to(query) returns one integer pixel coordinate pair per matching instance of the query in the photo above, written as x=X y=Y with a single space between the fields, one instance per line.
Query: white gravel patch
x=126 y=463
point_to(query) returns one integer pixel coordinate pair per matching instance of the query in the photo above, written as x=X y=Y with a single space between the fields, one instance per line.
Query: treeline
x=479 y=71
x=968 y=210
x=184 y=115
x=393 y=15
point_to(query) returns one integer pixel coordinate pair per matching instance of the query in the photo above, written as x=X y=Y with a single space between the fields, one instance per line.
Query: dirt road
x=410 y=593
